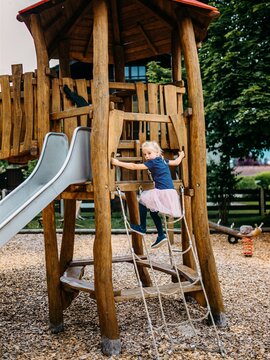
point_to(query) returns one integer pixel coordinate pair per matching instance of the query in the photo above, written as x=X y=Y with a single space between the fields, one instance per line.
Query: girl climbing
x=163 y=198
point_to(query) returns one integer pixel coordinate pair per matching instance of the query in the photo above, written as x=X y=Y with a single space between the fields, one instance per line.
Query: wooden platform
x=72 y=280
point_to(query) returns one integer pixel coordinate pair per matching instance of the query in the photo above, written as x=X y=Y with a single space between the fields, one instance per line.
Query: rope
x=159 y=293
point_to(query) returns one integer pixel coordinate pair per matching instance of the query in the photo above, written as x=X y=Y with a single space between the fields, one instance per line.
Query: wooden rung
x=116 y=259
x=82 y=285
x=184 y=270
x=78 y=195
x=129 y=158
x=151 y=292
x=147 y=117
x=84 y=110
x=135 y=185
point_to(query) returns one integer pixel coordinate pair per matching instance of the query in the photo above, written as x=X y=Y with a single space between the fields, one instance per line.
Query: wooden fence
x=246 y=202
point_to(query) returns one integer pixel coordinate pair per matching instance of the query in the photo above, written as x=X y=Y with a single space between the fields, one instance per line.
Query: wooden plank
x=184 y=270
x=146 y=185
x=72 y=112
x=151 y=292
x=78 y=195
x=71 y=121
x=171 y=109
x=6 y=116
x=140 y=91
x=115 y=259
x=163 y=127
x=115 y=130
x=28 y=111
x=153 y=109
x=56 y=106
x=17 y=111
x=82 y=285
x=81 y=86
x=157 y=118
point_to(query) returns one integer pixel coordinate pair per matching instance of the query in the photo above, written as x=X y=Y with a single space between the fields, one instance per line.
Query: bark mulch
x=24 y=331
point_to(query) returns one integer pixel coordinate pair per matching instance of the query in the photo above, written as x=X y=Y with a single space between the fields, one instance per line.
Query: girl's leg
x=161 y=239
x=158 y=223
x=143 y=214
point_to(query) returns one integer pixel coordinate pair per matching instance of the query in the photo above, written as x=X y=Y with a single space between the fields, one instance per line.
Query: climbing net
x=178 y=290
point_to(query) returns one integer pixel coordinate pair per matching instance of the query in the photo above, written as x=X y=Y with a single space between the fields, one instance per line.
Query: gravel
x=24 y=332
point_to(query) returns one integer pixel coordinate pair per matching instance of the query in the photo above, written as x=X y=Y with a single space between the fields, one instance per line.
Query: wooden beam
x=198 y=168
x=148 y=40
x=65 y=114
x=69 y=25
x=43 y=81
x=151 y=292
x=156 y=11
x=100 y=167
x=52 y=269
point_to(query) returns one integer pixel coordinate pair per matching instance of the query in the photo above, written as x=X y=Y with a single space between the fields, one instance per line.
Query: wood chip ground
x=24 y=331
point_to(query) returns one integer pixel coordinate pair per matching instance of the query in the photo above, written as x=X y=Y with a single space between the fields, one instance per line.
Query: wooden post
x=64 y=66
x=43 y=83
x=67 y=246
x=110 y=341
x=53 y=270
x=198 y=168
x=183 y=134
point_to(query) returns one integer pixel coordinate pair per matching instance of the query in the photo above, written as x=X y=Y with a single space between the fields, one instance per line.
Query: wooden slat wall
x=70 y=124
x=6 y=118
x=17 y=114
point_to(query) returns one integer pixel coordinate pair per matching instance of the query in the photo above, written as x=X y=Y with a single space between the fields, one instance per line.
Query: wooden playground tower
x=103 y=32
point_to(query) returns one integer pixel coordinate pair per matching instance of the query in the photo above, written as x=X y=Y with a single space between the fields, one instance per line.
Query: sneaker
x=159 y=242
x=138 y=228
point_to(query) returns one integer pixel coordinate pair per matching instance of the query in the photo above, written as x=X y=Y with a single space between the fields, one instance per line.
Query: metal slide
x=58 y=167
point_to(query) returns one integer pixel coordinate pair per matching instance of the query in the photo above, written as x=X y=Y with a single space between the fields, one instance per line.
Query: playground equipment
x=46 y=182
x=247 y=233
x=233 y=234
x=121 y=116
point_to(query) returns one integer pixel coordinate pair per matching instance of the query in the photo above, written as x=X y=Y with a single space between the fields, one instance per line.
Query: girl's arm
x=178 y=160
x=126 y=165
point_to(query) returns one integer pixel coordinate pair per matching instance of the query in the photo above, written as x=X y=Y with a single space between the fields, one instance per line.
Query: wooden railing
x=18 y=112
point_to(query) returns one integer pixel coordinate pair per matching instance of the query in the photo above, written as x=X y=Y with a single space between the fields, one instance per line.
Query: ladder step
x=116 y=259
x=151 y=292
x=71 y=283
x=188 y=273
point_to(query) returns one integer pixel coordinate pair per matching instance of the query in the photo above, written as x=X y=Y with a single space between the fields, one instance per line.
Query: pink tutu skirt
x=165 y=201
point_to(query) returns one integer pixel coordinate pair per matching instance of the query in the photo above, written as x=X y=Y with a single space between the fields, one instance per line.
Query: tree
x=157 y=74
x=235 y=63
x=236 y=77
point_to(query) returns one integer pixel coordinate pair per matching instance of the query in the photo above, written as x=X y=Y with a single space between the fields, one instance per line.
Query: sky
x=16 y=42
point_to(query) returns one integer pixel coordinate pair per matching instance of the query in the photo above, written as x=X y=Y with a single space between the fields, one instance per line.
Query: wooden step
x=151 y=292
x=115 y=259
x=188 y=273
x=71 y=283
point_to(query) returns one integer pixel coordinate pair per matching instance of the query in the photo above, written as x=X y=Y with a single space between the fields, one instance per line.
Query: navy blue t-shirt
x=160 y=172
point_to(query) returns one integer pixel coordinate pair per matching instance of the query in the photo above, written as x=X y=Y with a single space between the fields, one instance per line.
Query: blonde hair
x=153 y=145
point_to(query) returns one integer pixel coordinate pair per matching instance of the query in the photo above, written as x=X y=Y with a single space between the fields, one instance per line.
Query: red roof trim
x=186 y=2
x=198 y=4
x=33 y=6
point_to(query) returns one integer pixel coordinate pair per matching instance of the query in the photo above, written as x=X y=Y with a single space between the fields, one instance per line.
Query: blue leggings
x=154 y=215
